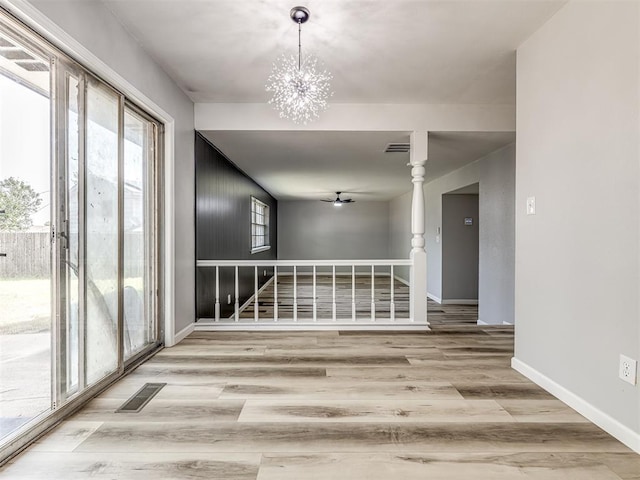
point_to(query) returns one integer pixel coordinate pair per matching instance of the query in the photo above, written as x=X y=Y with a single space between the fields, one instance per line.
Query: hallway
x=328 y=405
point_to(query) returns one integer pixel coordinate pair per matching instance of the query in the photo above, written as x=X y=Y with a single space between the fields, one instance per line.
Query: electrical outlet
x=229 y=299
x=628 y=369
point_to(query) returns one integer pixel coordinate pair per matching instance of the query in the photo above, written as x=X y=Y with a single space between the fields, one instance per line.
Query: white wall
x=577 y=259
x=495 y=173
x=93 y=26
x=362 y=117
x=317 y=230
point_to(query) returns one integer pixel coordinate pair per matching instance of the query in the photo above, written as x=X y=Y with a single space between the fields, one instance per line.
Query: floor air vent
x=398 y=148
x=141 y=398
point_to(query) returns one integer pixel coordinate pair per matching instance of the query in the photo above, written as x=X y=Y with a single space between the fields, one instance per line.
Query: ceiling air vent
x=398 y=148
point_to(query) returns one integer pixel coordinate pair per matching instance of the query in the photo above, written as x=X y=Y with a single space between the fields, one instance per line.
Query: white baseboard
x=610 y=425
x=463 y=301
x=434 y=298
x=460 y=301
x=182 y=334
x=205 y=325
x=482 y=322
x=402 y=280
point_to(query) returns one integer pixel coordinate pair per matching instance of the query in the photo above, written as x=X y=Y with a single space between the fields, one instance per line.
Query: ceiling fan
x=338 y=202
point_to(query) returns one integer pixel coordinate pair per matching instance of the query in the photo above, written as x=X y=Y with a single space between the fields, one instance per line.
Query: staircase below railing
x=313 y=294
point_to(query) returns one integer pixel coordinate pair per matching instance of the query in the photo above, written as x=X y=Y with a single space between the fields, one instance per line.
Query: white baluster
x=236 y=306
x=392 y=305
x=275 y=293
x=353 y=293
x=255 y=293
x=334 y=292
x=217 y=309
x=295 y=294
x=315 y=305
x=373 y=293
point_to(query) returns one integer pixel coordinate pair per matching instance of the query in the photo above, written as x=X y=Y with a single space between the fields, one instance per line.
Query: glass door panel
x=25 y=236
x=139 y=155
x=72 y=334
x=101 y=238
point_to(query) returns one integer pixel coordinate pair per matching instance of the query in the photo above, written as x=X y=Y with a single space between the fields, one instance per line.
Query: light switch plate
x=531 y=205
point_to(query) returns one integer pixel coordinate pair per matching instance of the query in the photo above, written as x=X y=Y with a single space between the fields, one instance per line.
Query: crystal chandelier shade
x=300 y=86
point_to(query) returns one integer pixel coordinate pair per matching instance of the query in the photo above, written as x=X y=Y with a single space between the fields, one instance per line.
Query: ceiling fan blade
x=348 y=200
x=330 y=201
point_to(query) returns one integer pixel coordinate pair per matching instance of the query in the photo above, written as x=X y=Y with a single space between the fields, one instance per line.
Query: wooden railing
x=321 y=272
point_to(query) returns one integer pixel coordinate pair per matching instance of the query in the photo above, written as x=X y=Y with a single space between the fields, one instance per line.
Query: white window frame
x=257 y=224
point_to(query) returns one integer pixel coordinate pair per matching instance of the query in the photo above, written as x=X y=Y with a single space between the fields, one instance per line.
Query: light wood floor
x=327 y=405
x=324 y=298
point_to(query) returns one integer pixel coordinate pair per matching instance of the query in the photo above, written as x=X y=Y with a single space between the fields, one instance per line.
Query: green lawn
x=25 y=306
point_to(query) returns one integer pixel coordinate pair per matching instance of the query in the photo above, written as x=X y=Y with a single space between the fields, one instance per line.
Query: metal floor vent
x=141 y=398
x=398 y=148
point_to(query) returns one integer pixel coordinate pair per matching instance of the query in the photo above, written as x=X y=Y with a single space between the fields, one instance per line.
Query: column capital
x=419 y=151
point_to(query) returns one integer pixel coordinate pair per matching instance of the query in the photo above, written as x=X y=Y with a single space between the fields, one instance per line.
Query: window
x=259 y=226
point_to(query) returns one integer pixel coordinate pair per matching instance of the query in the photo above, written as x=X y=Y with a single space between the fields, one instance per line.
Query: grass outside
x=25 y=305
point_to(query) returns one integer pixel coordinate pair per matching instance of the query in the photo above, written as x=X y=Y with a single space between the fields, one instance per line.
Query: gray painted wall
x=400 y=231
x=95 y=27
x=578 y=152
x=497 y=237
x=459 y=247
x=317 y=230
x=495 y=173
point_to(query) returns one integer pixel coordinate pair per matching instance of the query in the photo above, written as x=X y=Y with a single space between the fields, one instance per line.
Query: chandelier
x=300 y=86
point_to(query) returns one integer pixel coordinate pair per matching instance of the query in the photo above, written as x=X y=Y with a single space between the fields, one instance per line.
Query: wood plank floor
x=324 y=298
x=442 y=404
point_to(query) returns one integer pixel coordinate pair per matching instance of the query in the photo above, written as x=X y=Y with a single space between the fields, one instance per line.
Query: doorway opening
x=460 y=245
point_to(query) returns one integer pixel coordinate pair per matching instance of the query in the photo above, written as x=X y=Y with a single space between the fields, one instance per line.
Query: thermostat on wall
x=468 y=221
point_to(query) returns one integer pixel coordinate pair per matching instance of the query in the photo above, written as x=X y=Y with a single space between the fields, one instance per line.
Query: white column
x=418 y=257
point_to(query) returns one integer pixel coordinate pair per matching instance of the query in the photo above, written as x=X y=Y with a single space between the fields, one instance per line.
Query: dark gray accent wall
x=223 y=228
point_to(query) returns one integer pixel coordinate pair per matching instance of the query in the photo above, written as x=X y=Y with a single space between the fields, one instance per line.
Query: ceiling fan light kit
x=300 y=87
x=338 y=202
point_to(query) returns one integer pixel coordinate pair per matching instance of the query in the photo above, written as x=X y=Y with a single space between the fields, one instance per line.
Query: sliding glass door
x=26 y=286
x=102 y=140
x=108 y=252
x=78 y=233
x=139 y=223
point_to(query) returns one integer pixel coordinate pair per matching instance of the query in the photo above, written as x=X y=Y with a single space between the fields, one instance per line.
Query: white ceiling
x=308 y=165
x=379 y=51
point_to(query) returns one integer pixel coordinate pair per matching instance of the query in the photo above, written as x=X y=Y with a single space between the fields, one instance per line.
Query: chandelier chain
x=299 y=44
